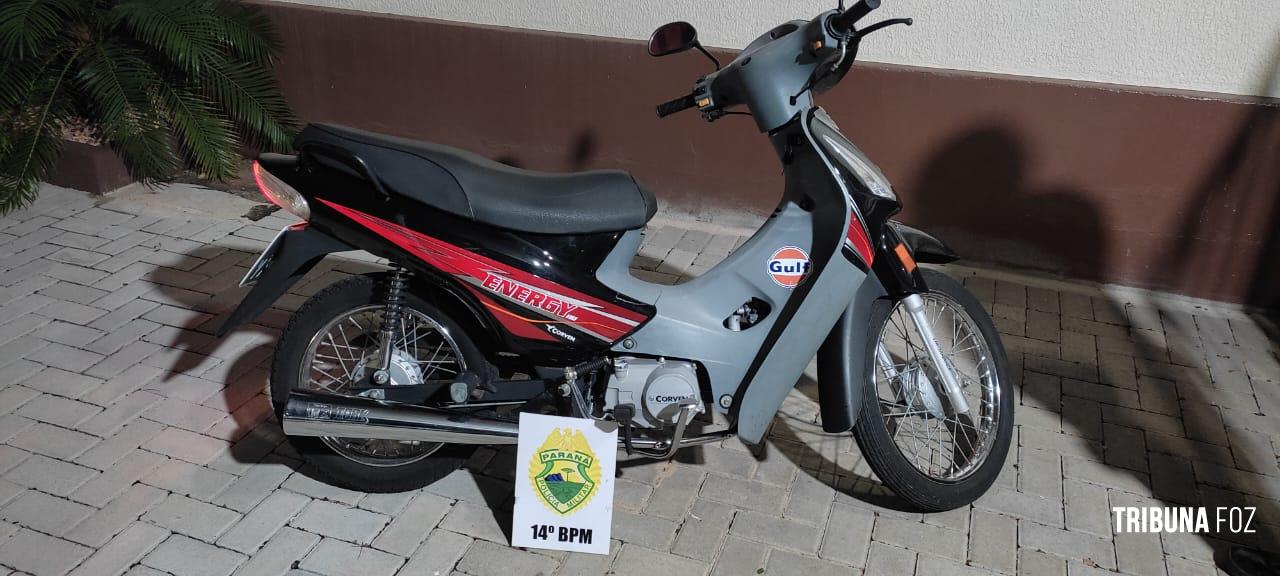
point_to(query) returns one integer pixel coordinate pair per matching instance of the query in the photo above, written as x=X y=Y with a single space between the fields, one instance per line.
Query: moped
x=509 y=292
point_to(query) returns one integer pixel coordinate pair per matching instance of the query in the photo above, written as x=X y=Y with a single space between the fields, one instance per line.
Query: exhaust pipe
x=310 y=414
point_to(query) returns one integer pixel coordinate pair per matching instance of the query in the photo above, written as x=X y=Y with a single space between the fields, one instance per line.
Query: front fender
x=842 y=360
x=924 y=248
x=299 y=250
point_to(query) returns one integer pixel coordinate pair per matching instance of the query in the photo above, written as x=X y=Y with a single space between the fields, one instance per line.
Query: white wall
x=1228 y=46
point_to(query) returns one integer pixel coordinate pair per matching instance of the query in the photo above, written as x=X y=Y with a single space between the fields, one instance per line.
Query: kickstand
x=623 y=414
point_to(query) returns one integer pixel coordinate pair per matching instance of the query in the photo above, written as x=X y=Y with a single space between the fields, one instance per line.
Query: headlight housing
x=850 y=157
x=280 y=193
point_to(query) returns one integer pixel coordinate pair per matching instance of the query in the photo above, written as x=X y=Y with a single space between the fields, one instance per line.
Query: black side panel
x=924 y=248
x=299 y=251
x=842 y=358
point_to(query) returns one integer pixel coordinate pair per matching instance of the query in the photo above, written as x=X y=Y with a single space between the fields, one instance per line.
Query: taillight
x=281 y=194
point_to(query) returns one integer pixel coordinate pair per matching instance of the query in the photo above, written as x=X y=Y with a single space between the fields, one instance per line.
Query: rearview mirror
x=672 y=38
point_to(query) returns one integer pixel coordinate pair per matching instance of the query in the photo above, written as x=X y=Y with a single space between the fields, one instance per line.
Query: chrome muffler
x=326 y=415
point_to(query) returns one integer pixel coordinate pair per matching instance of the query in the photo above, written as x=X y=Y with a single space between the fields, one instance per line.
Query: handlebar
x=842 y=23
x=682 y=103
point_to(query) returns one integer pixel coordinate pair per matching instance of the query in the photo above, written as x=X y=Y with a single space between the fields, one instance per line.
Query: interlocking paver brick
x=62 y=383
x=648 y=531
x=341 y=522
x=934 y=540
x=303 y=482
x=106 y=453
x=777 y=532
x=703 y=530
x=187 y=557
x=848 y=535
x=57 y=410
x=253 y=486
x=185 y=445
x=886 y=559
x=403 y=535
x=123 y=551
x=488 y=559
x=993 y=542
x=476 y=522
x=262 y=523
x=634 y=560
x=188 y=479
x=67 y=333
x=119 y=513
x=41 y=554
x=282 y=552
x=48 y=514
x=337 y=558
x=191 y=517
x=1067 y=544
x=744 y=493
x=52 y=476
x=438 y=554
x=118 y=478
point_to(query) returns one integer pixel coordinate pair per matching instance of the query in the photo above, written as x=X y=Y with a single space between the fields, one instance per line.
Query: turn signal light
x=281 y=194
x=904 y=255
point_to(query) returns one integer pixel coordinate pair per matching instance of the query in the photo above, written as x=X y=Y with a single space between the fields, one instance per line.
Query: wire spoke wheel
x=938 y=442
x=346 y=351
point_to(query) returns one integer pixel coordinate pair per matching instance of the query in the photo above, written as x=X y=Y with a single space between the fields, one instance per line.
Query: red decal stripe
x=588 y=314
x=857 y=238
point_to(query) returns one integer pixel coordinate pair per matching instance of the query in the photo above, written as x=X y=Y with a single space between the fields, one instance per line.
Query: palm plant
x=165 y=83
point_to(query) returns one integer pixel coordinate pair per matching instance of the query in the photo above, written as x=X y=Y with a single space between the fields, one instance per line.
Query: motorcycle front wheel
x=333 y=341
x=931 y=456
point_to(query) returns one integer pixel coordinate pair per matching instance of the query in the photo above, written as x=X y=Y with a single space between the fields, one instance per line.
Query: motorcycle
x=509 y=292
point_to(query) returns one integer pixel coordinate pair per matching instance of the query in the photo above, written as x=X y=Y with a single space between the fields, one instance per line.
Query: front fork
x=941 y=365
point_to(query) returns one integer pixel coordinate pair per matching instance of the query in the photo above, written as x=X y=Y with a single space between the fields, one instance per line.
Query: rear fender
x=301 y=248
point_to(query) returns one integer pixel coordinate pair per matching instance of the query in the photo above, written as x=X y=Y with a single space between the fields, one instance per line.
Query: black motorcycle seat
x=474 y=187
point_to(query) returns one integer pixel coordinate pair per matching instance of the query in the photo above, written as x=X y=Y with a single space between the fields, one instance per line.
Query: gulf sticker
x=789 y=266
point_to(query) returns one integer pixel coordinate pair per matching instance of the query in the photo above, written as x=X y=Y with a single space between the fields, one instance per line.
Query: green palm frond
x=165 y=83
x=207 y=138
x=25 y=25
x=117 y=84
x=249 y=94
x=181 y=30
x=35 y=140
x=248 y=33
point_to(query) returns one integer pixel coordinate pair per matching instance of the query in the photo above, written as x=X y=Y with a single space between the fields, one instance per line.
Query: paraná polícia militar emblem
x=564 y=471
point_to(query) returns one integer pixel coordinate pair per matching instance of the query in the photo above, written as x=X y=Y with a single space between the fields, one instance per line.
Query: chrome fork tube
x=915 y=308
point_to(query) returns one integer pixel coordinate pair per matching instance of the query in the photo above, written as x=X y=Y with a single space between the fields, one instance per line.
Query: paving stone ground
x=132 y=440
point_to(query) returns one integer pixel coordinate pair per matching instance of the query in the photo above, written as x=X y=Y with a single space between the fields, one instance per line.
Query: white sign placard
x=564 y=484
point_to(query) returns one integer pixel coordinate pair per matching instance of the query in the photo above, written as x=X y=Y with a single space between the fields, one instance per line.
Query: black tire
x=339 y=298
x=882 y=453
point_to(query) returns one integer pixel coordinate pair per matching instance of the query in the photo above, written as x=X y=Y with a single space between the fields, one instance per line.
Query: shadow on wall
x=1243 y=187
x=990 y=165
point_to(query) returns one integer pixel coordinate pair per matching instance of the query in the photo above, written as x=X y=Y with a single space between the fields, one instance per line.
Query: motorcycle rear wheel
x=328 y=340
x=936 y=461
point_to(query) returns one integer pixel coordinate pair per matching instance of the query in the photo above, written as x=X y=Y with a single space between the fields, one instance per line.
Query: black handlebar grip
x=682 y=103
x=843 y=22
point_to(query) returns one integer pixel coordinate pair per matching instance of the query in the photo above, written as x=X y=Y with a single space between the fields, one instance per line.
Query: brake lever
x=879 y=26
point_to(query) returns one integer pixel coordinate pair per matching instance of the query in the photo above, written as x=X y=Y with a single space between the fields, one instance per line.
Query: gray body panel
x=690 y=319
x=757 y=366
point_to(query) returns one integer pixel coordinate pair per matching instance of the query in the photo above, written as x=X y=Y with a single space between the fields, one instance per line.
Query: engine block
x=656 y=388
